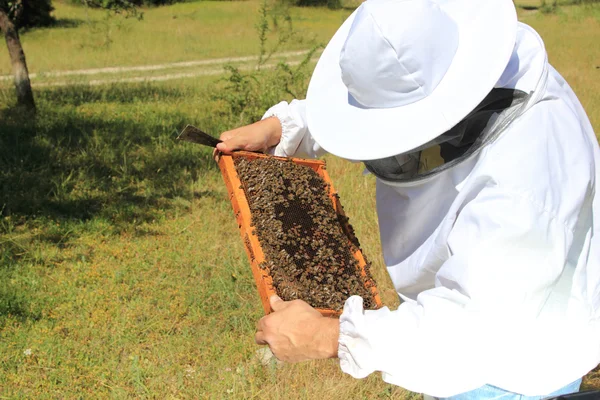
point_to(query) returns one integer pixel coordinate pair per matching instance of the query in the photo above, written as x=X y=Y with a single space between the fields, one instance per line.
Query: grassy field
x=121 y=270
x=182 y=32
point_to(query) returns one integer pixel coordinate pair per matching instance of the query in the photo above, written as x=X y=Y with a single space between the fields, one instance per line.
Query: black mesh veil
x=483 y=125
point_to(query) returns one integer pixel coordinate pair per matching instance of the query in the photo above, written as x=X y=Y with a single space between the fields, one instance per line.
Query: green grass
x=182 y=32
x=571 y=37
x=121 y=270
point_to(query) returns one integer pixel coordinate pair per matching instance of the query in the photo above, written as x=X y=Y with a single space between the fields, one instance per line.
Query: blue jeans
x=489 y=392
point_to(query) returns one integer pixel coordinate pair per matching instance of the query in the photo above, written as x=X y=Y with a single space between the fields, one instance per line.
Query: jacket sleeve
x=505 y=255
x=295 y=138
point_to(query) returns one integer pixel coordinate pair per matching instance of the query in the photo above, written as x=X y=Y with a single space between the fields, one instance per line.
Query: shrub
x=331 y=4
x=242 y=98
x=29 y=13
x=552 y=6
x=124 y=4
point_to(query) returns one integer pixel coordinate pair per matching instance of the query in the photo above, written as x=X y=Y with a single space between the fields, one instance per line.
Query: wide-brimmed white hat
x=399 y=73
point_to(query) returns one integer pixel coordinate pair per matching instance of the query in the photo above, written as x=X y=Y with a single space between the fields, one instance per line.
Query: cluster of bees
x=308 y=247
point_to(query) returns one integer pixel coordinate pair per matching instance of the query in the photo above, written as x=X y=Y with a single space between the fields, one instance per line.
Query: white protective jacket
x=496 y=259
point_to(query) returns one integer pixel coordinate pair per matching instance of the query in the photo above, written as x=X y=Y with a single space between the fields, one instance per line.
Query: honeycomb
x=308 y=247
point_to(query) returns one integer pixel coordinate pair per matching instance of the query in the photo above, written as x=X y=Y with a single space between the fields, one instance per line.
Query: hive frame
x=241 y=208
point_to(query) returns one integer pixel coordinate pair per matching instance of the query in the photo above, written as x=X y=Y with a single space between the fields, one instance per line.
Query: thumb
x=229 y=145
x=276 y=303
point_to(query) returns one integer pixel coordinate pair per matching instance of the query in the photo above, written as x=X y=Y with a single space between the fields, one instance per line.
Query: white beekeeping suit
x=496 y=255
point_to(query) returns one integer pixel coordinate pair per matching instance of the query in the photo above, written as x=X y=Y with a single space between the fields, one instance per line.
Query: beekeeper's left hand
x=296 y=332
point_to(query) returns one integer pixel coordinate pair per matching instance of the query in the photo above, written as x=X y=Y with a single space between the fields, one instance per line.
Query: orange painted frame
x=241 y=208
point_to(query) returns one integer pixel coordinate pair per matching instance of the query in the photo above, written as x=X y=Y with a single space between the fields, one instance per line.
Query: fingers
x=228 y=134
x=221 y=147
x=260 y=338
x=266 y=322
x=255 y=137
x=229 y=142
x=260 y=325
x=235 y=143
x=276 y=303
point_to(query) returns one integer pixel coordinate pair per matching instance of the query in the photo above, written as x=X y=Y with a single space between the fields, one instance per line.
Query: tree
x=35 y=13
x=121 y=5
x=10 y=12
x=15 y=14
x=127 y=7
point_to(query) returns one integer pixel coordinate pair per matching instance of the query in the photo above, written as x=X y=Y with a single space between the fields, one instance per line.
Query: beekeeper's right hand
x=259 y=136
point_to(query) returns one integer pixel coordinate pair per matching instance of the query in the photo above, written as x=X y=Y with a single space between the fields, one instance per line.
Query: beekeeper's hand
x=296 y=332
x=259 y=136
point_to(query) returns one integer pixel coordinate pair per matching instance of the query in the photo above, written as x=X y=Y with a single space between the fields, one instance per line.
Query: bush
x=331 y=4
x=552 y=6
x=30 y=13
x=124 y=4
x=243 y=97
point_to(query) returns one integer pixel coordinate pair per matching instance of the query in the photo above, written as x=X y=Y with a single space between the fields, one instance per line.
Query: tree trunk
x=19 y=65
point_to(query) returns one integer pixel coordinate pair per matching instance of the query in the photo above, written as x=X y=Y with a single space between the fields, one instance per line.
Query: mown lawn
x=121 y=270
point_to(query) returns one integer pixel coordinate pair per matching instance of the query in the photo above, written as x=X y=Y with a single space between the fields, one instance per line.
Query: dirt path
x=158 y=78
x=157 y=67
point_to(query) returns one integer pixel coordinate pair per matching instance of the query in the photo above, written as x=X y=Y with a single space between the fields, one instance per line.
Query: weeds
x=101 y=32
x=284 y=30
x=244 y=97
x=552 y=6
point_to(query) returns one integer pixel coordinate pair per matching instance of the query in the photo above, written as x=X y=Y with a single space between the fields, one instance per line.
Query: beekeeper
x=486 y=169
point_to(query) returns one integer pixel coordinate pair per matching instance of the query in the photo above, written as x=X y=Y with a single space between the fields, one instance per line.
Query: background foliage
x=31 y=13
x=124 y=4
